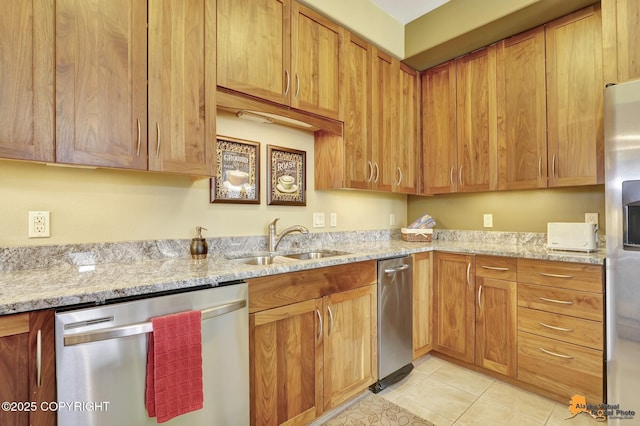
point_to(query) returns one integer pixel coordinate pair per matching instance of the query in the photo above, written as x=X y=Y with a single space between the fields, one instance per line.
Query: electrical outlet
x=591 y=218
x=318 y=220
x=488 y=220
x=392 y=219
x=333 y=220
x=39 y=224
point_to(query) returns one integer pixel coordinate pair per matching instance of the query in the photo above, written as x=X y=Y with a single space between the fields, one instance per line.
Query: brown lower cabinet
x=312 y=341
x=22 y=380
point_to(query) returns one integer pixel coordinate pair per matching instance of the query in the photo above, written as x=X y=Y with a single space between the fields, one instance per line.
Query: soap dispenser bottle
x=199 y=246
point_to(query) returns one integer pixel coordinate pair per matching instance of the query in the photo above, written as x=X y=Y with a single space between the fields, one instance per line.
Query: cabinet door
x=575 y=99
x=357 y=114
x=285 y=347
x=522 y=111
x=101 y=83
x=27 y=80
x=182 y=76
x=621 y=39
x=315 y=58
x=454 y=307
x=406 y=160
x=440 y=152
x=477 y=121
x=255 y=59
x=496 y=326
x=422 y=303
x=384 y=88
x=350 y=354
x=14 y=363
x=22 y=378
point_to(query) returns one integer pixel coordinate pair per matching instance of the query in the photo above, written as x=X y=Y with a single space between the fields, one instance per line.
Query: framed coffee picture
x=286 y=176
x=237 y=178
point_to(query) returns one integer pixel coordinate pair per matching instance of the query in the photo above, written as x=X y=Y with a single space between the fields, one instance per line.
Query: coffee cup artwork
x=286 y=184
x=237 y=172
x=286 y=176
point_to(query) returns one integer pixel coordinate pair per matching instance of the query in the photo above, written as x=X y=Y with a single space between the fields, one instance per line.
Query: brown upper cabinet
x=289 y=54
x=575 y=89
x=406 y=161
x=477 y=121
x=26 y=80
x=440 y=149
x=101 y=85
x=522 y=111
x=621 y=40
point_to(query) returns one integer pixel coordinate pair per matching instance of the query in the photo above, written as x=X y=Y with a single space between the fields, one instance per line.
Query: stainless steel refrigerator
x=622 y=188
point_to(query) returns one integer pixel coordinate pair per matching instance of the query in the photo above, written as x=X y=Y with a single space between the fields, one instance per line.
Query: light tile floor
x=446 y=394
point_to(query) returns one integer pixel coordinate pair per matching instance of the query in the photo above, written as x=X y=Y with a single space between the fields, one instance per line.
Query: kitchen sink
x=269 y=259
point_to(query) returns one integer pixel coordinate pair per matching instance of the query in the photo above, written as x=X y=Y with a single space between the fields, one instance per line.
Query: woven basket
x=417 y=235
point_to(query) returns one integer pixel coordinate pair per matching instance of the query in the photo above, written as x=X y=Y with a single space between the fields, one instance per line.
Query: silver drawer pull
x=545 y=274
x=495 y=268
x=553 y=327
x=555 y=354
x=562 y=302
x=320 y=331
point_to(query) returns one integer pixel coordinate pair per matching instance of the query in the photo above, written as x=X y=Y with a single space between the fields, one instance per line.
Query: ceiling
x=406 y=11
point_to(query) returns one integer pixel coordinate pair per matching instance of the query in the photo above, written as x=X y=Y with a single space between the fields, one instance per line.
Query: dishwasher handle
x=144 y=327
x=394 y=270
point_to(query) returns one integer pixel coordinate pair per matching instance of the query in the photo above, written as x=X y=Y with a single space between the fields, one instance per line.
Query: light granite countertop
x=71 y=284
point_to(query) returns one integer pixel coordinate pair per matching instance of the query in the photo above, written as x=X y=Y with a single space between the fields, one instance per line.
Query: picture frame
x=237 y=178
x=286 y=176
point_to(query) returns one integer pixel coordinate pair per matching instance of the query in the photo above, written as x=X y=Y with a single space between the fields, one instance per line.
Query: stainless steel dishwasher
x=395 y=321
x=101 y=359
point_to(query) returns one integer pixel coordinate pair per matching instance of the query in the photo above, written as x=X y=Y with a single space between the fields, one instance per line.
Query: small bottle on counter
x=199 y=246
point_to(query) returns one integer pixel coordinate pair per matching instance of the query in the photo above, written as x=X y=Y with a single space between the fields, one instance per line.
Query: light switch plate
x=318 y=220
x=333 y=220
x=488 y=220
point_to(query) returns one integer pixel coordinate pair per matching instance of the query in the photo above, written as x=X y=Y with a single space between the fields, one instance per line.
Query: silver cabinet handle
x=553 y=166
x=555 y=354
x=494 y=268
x=468 y=274
x=377 y=173
x=39 y=358
x=460 y=176
x=370 y=171
x=540 y=167
x=286 y=90
x=320 y=322
x=394 y=270
x=479 y=297
x=157 y=140
x=330 y=321
x=298 y=89
x=553 y=327
x=144 y=327
x=451 y=176
x=545 y=274
x=399 y=176
x=138 y=143
x=562 y=302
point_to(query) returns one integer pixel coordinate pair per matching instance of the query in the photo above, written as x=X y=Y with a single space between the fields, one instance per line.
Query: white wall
x=113 y=205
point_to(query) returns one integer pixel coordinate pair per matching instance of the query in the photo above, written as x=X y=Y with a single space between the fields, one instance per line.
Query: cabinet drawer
x=576 y=276
x=560 y=301
x=561 y=368
x=501 y=268
x=284 y=289
x=561 y=327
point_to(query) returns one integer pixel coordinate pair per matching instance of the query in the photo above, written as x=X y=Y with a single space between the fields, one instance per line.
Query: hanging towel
x=174 y=366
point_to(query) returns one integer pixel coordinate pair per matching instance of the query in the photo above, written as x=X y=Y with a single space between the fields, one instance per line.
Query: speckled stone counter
x=43 y=277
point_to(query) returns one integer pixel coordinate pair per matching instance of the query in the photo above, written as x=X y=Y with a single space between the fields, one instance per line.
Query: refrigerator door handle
x=144 y=327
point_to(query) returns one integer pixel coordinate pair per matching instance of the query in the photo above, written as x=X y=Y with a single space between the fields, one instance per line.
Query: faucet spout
x=275 y=238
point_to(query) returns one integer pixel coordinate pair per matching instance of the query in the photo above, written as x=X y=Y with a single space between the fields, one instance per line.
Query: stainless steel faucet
x=274 y=239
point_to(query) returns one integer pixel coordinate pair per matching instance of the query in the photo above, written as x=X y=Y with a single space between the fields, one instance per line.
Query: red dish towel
x=174 y=366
